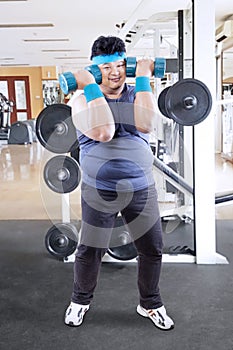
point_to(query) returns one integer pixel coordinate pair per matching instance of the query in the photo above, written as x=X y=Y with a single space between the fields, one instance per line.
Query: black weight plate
x=182 y=90
x=124 y=252
x=61 y=240
x=121 y=247
x=161 y=101
x=55 y=129
x=62 y=174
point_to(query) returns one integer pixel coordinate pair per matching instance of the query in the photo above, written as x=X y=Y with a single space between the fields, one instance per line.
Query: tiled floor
x=24 y=195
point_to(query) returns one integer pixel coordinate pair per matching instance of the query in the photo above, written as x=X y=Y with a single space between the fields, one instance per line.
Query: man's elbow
x=103 y=134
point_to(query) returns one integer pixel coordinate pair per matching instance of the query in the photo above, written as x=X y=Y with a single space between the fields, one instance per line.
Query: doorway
x=17 y=90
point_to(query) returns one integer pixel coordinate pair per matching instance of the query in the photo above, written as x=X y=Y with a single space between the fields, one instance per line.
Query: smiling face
x=113 y=74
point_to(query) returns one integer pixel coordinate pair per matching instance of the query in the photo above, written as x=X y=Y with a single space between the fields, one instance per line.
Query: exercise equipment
x=55 y=129
x=68 y=81
x=188 y=102
x=159 y=67
x=62 y=174
x=32 y=124
x=20 y=134
x=179 y=182
x=222 y=198
x=61 y=240
x=5 y=108
x=121 y=245
x=173 y=177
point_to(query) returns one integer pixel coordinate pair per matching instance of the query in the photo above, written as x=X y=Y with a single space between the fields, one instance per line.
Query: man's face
x=113 y=74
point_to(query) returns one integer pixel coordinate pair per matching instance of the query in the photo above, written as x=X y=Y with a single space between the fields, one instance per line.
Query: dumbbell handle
x=68 y=81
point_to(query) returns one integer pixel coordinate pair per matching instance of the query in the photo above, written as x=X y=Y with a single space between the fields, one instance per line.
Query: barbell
x=68 y=82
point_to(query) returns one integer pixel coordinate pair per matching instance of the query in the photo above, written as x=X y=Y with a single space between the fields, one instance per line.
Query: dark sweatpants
x=140 y=213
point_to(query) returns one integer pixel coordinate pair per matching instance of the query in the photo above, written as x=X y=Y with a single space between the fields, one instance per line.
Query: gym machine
x=5 y=115
x=20 y=132
x=187 y=101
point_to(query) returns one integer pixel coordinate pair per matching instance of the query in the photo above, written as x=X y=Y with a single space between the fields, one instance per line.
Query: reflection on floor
x=24 y=195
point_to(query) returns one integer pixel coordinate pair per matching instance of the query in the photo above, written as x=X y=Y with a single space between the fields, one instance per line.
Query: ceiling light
x=69 y=58
x=26 y=25
x=44 y=40
x=7 y=58
x=60 y=50
x=14 y=65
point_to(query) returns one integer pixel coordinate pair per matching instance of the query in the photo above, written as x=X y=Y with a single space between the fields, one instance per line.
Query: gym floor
x=26 y=197
x=35 y=287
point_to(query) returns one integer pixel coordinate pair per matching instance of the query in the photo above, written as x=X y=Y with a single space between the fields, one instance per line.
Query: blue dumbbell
x=159 y=67
x=68 y=82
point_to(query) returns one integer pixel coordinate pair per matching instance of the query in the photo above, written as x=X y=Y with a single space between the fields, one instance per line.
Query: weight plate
x=124 y=252
x=131 y=63
x=121 y=245
x=161 y=101
x=188 y=102
x=55 y=129
x=62 y=174
x=61 y=240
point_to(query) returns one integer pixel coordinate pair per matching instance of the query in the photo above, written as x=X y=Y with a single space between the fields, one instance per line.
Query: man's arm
x=94 y=119
x=145 y=103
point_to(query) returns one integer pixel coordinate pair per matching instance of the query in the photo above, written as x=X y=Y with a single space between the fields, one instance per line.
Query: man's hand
x=145 y=67
x=83 y=78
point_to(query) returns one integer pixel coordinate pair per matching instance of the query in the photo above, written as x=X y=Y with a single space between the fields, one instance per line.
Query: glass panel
x=4 y=88
x=20 y=94
x=21 y=116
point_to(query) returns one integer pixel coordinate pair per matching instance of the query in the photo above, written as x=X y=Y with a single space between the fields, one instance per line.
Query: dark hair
x=107 y=45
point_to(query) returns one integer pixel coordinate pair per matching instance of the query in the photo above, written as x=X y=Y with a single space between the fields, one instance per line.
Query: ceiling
x=49 y=32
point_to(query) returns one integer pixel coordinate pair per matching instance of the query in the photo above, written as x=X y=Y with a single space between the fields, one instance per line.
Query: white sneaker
x=75 y=313
x=158 y=316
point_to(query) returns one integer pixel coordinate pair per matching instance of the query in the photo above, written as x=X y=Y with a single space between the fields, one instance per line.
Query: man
x=114 y=120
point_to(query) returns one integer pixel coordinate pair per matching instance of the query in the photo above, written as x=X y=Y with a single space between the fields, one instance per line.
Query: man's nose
x=115 y=70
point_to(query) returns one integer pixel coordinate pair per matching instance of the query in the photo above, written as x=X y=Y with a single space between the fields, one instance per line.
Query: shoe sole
x=70 y=324
x=144 y=314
